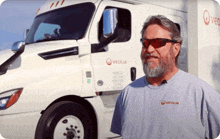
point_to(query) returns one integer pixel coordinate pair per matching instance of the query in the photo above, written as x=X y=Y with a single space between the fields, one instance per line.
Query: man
x=167 y=103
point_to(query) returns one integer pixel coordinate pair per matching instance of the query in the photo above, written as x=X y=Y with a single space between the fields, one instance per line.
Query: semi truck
x=63 y=80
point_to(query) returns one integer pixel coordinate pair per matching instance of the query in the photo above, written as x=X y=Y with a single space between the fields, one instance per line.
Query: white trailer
x=63 y=81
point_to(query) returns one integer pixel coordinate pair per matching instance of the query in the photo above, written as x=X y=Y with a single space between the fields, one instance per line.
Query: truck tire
x=66 y=120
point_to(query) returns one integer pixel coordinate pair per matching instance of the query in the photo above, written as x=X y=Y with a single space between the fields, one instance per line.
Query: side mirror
x=110 y=29
x=25 y=33
x=17 y=45
x=110 y=20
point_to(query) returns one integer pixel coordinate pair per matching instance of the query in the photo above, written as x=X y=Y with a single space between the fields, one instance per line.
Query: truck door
x=113 y=66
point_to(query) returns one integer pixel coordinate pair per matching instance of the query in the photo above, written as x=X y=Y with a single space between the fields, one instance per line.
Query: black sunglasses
x=156 y=43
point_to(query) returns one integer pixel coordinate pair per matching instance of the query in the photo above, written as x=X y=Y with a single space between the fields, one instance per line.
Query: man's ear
x=176 y=49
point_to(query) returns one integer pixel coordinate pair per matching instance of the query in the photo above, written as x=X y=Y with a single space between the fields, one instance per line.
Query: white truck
x=63 y=81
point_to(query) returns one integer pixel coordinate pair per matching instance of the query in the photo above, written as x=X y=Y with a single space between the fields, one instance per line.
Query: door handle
x=133 y=73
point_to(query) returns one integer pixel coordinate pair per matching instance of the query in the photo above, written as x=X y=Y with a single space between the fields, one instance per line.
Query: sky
x=15 y=17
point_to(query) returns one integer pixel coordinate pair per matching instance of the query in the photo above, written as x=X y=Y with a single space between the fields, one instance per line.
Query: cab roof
x=50 y=5
x=179 y=5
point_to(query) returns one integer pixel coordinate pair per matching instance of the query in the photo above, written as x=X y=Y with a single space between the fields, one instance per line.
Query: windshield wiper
x=46 y=39
x=4 y=67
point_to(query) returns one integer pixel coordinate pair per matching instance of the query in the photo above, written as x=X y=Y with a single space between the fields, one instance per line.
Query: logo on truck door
x=206 y=17
x=111 y=62
x=108 y=61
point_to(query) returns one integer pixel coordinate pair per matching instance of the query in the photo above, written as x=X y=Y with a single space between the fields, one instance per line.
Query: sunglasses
x=156 y=43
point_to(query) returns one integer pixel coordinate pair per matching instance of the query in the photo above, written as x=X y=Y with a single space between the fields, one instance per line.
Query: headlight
x=8 y=98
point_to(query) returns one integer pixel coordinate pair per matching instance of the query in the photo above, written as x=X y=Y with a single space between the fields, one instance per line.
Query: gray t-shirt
x=185 y=107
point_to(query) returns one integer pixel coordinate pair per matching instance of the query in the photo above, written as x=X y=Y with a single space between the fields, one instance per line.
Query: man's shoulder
x=190 y=79
x=140 y=82
x=133 y=89
x=136 y=85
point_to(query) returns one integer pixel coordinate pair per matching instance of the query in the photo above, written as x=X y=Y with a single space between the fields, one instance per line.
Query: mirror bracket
x=99 y=47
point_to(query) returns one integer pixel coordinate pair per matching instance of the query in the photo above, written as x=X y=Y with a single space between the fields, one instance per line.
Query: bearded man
x=167 y=103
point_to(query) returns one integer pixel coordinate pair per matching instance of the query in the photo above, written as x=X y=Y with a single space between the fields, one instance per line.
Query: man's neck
x=160 y=80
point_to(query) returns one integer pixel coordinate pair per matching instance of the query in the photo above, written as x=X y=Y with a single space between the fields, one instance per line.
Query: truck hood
x=4 y=55
x=30 y=68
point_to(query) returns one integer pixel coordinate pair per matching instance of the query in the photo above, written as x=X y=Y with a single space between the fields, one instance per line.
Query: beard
x=165 y=65
x=157 y=71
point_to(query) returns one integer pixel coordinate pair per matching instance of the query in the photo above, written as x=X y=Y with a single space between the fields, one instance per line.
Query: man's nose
x=149 y=49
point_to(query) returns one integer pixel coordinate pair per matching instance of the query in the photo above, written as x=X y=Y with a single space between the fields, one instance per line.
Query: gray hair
x=166 y=23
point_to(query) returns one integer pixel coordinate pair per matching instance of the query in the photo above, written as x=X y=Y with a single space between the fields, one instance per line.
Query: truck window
x=45 y=29
x=124 y=26
x=62 y=24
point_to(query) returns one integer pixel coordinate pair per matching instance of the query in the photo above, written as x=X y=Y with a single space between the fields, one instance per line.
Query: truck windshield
x=69 y=23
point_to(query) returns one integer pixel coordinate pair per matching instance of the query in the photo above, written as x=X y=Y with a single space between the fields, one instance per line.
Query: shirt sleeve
x=117 y=117
x=212 y=112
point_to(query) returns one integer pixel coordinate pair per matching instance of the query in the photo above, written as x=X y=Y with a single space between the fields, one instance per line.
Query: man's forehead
x=156 y=31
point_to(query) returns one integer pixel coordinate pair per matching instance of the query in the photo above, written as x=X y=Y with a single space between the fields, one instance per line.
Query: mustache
x=149 y=55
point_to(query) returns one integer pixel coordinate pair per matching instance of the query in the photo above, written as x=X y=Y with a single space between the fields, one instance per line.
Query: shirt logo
x=169 y=102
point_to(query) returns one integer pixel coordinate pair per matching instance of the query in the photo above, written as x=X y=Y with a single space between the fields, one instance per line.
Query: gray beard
x=162 y=68
x=158 y=71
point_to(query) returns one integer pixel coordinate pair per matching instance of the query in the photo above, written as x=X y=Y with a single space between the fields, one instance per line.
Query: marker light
x=51 y=5
x=62 y=2
x=9 y=98
x=37 y=11
x=57 y=4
